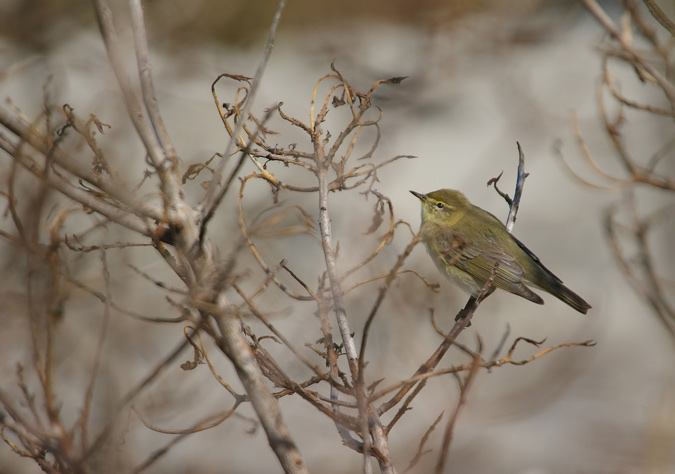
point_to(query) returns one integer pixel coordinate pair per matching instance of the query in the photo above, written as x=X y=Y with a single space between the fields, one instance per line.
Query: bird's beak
x=419 y=196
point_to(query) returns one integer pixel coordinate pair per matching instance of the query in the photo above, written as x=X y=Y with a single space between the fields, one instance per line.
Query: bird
x=468 y=244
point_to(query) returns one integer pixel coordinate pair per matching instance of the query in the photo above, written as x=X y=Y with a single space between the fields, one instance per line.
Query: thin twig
x=204 y=424
x=259 y=314
x=210 y=200
x=84 y=419
x=520 y=182
x=233 y=344
x=145 y=75
x=340 y=310
x=135 y=112
x=133 y=393
x=661 y=17
x=382 y=293
x=597 y=11
x=461 y=321
x=420 y=448
x=447 y=435
x=80 y=195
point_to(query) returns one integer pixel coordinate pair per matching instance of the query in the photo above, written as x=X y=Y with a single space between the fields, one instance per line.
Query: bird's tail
x=564 y=294
x=544 y=278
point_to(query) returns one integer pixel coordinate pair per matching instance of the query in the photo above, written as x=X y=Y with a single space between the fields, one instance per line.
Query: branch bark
x=608 y=24
x=233 y=344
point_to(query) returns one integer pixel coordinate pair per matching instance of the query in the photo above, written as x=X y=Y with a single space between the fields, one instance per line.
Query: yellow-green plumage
x=467 y=242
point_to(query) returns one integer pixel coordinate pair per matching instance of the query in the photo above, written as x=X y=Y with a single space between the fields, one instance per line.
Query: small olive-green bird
x=467 y=242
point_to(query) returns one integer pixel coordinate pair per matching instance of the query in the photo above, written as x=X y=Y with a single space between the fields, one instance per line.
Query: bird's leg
x=465 y=311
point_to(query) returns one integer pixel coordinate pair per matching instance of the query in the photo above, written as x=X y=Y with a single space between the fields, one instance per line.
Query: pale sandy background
x=478 y=82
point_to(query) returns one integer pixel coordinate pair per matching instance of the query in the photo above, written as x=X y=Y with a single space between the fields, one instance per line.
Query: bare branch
x=210 y=200
x=661 y=17
x=447 y=435
x=145 y=75
x=84 y=420
x=234 y=346
x=520 y=182
x=609 y=25
x=135 y=112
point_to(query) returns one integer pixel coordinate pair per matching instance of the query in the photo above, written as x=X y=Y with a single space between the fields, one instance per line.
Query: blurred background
x=482 y=75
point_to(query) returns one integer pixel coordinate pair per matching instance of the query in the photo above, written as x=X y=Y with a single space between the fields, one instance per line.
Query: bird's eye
x=440 y=205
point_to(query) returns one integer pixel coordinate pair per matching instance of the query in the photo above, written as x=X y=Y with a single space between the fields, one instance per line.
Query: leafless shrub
x=646 y=46
x=55 y=241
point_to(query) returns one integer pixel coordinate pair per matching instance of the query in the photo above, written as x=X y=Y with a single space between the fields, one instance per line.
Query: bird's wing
x=479 y=262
